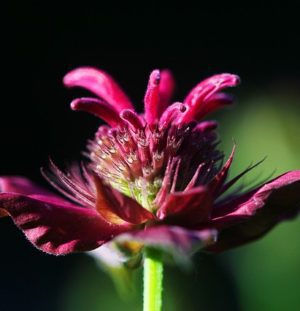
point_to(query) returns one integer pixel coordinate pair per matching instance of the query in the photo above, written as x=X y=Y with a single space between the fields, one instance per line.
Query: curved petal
x=166 y=90
x=151 y=99
x=217 y=182
x=98 y=108
x=249 y=217
x=172 y=114
x=101 y=84
x=204 y=91
x=158 y=95
x=190 y=207
x=215 y=102
x=176 y=241
x=117 y=208
x=22 y=185
x=58 y=229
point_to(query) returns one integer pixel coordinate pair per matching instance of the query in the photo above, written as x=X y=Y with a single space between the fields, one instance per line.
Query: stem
x=153 y=277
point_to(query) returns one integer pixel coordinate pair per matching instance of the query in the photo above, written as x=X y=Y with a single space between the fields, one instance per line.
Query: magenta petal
x=205 y=126
x=204 y=91
x=101 y=84
x=133 y=119
x=217 y=182
x=19 y=184
x=152 y=98
x=249 y=217
x=173 y=113
x=22 y=185
x=58 y=228
x=192 y=206
x=99 y=108
x=176 y=241
x=166 y=90
x=215 y=102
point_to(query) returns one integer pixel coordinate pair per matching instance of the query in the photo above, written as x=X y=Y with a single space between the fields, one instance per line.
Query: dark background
x=42 y=42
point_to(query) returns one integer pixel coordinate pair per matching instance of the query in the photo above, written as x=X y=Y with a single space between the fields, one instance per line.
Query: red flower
x=152 y=179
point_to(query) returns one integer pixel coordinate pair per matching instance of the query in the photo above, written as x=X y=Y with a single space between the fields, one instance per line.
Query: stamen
x=72 y=187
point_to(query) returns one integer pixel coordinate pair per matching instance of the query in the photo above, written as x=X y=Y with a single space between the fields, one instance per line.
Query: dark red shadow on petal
x=117 y=208
x=251 y=216
x=21 y=185
x=187 y=208
x=58 y=228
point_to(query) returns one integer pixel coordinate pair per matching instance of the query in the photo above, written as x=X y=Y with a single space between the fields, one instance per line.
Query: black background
x=41 y=42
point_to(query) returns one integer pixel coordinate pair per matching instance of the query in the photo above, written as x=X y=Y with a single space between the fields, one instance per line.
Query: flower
x=153 y=179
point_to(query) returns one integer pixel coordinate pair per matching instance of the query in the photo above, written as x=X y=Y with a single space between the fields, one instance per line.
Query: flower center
x=135 y=160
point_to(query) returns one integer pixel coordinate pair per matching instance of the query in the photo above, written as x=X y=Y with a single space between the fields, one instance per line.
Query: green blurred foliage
x=89 y=288
x=267 y=271
x=264 y=275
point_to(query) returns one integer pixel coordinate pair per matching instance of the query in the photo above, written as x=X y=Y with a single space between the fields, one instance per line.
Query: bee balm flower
x=153 y=179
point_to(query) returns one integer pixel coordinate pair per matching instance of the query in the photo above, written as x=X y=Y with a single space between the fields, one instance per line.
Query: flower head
x=154 y=179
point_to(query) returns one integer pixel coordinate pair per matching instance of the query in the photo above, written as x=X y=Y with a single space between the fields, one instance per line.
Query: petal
x=111 y=256
x=117 y=208
x=215 y=102
x=58 y=228
x=173 y=113
x=249 y=217
x=217 y=182
x=151 y=99
x=101 y=84
x=19 y=184
x=133 y=119
x=158 y=95
x=98 y=108
x=176 y=241
x=22 y=185
x=190 y=207
x=166 y=90
x=204 y=91
x=206 y=126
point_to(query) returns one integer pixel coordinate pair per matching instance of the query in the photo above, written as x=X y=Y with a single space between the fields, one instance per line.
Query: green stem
x=153 y=277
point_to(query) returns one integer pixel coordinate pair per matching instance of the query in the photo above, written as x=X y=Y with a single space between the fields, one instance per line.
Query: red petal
x=152 y=98
x=166 y=90
x=177 y=241
x=58 y=228
x=215 y=102
x=172 y=114
x=190 y=207
x=98 y=108
x=22 y=185
x=118 y=208
x=204 y=92
x=133 y=119
x=218 y=181
x=247 y=218
x=101 y=84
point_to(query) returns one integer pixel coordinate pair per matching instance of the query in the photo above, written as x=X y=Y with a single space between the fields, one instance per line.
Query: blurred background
x=41 y=42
